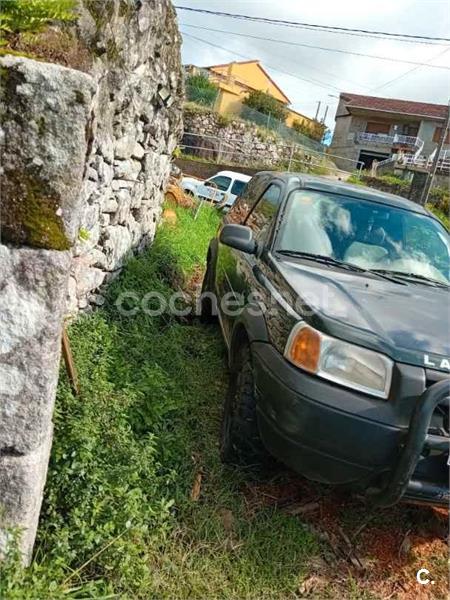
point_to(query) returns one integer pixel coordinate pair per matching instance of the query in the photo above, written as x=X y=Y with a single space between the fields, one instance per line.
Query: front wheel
x=240 y=442
x=208 y=312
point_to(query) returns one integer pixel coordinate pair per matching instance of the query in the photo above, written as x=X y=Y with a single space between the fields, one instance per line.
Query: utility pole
x=434 y=166
x=317 y=111
x=324 y=118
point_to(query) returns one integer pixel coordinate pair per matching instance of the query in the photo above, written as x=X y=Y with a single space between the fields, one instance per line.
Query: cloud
x=338 y=71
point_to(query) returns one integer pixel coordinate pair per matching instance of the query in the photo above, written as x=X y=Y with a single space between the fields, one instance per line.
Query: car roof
x=233 y=175
x=322 y=184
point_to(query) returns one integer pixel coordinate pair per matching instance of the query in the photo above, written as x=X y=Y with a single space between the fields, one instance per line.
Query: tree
x=266 y=104
x=201 y=90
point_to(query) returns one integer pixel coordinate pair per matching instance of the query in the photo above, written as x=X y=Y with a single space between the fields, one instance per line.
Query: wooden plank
x=69 y=362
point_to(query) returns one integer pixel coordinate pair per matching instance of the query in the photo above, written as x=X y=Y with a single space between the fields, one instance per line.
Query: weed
x=223 y=120
x=33 y=15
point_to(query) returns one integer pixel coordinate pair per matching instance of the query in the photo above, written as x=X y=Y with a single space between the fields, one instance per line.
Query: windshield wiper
x=323 y=259
x=339 y=263
x=405 y=275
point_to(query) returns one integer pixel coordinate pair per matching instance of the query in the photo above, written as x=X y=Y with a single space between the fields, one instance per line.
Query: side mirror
x=239 y=237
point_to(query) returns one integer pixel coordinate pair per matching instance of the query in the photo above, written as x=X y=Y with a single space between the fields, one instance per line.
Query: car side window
x=248 y=198
x=221 y=181
x=238 y=187
x=261 y=216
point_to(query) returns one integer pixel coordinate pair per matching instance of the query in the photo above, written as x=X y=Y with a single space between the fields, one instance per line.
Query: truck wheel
x=240 y=442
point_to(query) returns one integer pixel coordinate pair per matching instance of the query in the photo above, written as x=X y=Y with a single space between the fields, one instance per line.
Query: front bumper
x=334 y=435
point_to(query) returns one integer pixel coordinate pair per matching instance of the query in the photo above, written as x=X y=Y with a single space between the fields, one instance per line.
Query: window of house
x=438 y=134
x=411 y=130
x=374 y=127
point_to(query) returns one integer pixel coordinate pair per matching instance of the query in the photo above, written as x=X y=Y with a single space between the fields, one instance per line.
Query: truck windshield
x=367 y=234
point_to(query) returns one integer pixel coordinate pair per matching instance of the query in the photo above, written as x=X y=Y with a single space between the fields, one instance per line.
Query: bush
x=33 y=15
x=313 y=130
x=439 y=197
x=201 y=90
x=223 y=120
x=442 y=216
x=266 y=104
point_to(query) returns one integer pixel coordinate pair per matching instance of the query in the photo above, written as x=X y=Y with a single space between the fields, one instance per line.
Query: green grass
x=117 y=519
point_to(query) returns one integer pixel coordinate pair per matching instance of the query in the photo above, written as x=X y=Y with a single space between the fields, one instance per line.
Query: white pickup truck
x=223 y=187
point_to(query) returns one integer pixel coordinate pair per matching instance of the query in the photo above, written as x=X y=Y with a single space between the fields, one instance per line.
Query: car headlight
x=338 y=361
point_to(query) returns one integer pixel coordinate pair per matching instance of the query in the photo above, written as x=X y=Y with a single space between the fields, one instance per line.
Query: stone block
x=41 y=200
x=117 y=244
x=22 y=480
x=127 y=169
x=32 y=303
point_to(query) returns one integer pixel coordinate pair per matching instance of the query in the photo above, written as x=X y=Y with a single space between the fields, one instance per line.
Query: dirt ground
x=380 y=549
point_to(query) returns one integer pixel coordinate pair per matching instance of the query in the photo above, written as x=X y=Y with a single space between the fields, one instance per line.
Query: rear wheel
x=240 y=442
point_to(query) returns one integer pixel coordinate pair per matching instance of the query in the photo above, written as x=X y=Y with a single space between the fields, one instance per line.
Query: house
x=369 y=128
x=236 y=80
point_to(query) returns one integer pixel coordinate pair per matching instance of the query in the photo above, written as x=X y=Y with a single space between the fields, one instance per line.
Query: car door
x=236 y=270
x=237 y=189
x=215 y=188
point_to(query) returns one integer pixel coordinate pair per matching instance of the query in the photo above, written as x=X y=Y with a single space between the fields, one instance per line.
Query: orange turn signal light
x=304 y=349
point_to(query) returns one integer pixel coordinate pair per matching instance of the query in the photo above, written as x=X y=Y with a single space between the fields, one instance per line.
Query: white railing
x=412 y=160
x=388 y=140
x=425 y=163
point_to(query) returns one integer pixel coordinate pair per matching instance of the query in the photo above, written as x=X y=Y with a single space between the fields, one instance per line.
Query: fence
x=235 y=152
x=285 y=132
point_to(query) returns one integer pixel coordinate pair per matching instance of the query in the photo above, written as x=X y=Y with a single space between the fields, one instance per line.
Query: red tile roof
x=405 y=107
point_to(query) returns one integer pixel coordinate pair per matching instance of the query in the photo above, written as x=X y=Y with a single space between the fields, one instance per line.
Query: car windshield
x=221 y=182
x=367 y=234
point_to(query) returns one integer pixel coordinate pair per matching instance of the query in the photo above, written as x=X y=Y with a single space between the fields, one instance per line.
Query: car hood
x=410 y=322
x=191 y=181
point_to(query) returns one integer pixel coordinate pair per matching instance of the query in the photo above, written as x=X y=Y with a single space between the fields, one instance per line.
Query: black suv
x=334 y=304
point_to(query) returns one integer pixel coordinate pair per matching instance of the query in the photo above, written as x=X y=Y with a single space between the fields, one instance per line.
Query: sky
x=308 y=76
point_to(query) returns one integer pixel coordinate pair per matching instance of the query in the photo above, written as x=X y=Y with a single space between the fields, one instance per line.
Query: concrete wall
x=85 y=160
x=426 y=133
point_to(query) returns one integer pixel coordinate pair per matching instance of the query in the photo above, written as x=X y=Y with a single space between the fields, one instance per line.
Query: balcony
x=388 y=140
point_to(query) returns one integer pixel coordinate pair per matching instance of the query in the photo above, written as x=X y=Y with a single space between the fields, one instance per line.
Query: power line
x=403 y=75
x=323 y=48
x=315 y=69
x=313 y=81
x=329 y=28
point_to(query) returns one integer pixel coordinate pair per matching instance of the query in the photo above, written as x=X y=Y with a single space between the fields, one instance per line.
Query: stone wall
x=85 y=160
x=217 y=138
x=205 y=170
x=134 y=135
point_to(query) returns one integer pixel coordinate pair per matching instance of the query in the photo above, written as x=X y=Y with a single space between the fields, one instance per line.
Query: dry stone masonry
x=211 y=136
x=85 y=160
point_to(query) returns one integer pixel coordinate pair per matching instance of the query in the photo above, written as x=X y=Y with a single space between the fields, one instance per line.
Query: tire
x=206 y=306
x=240 y=442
